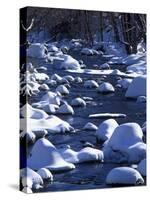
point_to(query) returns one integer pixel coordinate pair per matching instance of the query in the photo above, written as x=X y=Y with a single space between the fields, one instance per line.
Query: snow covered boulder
x=49 y=158
x=28 y=111
x=125 y=145
x=37 y=50
x=90 y=127
x=77 y=102
x=91 y=84
x=62 y=90
x=106 y=129
x=133 y=58
x=141 y=99
x=51 y=98
x=87 y=51
x=125 y=82
x=49 y=108
x=69 y=63
x=105 y=66
x=44 y=87
x=124 y=176
x=69 y=78
x=56 y=77
x=105 y=88
x=137 y=87
x=29 y=136
x=142 y=167
x=45 y=174
x=65 y=109
x=78 y=79
x=30 y=178
x=86 y=154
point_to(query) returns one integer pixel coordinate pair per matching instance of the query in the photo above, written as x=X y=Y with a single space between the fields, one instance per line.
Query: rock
x=105 y=66
x=142 y=167
x=50 y=108
x=30 y=178
x=69 y=78
x=78 y=80
x=69 y=63
x=91 y=84
x=125 y=145
x=44 y=87
x=28 y=111
x=90 y=127
x=56 y=77
x=62 y=90
x=125 y=82
x=78 y=102
x=45 y=174
x=51 y=98
x=106 y=129
x=106 y=88
x=51 y=83
x=47 y=159
x=124 y=176
x=65 y=109
x=137 y=87
x=29 y=136
x=87 y=51
x=37 y=50
x=141 y=99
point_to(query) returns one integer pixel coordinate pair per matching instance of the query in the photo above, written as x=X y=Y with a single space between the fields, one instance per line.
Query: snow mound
x=142 y=167
x=124 y=176
x=90 y=127
x=91 y=84
x=30 y=178
x=69 y=63
x=105 y=88
x=28 y=111
x=65 y=109
x=86 y=154
x=78 y=102
x=49 y=157
x=106 y=129
x=137 y=87
x=45 y=174
x=125 y=145
x=37 y=50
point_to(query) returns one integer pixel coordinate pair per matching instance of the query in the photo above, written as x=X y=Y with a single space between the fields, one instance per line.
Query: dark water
x=88 y=175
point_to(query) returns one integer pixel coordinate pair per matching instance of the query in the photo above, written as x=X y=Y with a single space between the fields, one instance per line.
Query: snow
x=139 y=68
x=56 y=77
x=37 y=50
x=105 y=66
x=89 y=52
x=141 y=99
x=52 y=124
x=142 y=167
x=86 y=154
x=49 y=158
x=125 y=82
x=90 y=84
x=62 y=90
x=27 y=190
x=133 y=59
x=45 y=174
x=124 y=176
x=106 y=129
x=27 y=111
x=78 y=79
x=51 y=98
x=78 y=102
x=28 y=136
x=44 y=87
x=69 y=78
x=105 y=87
x=125 y=145
x=90 y=127
x=137 y=87
x=30 y=178
x=107 y=115
x=40 y=76
x=69 y=63
x=65 y=109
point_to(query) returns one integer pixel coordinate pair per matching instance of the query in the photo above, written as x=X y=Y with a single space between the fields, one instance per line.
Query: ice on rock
x=49 y=158
x=137 y=87
x=90 y=127
x=124 y=176
x=30 y=178
x=125 y=82
x=105 y=88
x=77 y=102
x=91 y=84
x=37 y=50
x=65 y=109
x=86 y=154
x=125 y=145
x=27 y=111
x=142 y=167
x=106 y=129
x=45 y=174
x=69 y=63
x=62 y=90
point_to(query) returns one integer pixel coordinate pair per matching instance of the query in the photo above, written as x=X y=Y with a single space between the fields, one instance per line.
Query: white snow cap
x=45 y=174
x=125 y=145
x=49 y=157
x=90 y=84
x=78 y=102
x=124 y=176
x=90 y=126
x=137 y=87
x=106 y=88
x=106 y=129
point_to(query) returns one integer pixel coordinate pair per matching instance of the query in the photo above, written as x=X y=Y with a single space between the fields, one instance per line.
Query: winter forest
x=82 y=99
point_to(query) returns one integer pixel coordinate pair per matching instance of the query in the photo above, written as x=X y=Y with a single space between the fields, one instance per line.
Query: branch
x=29 y=27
